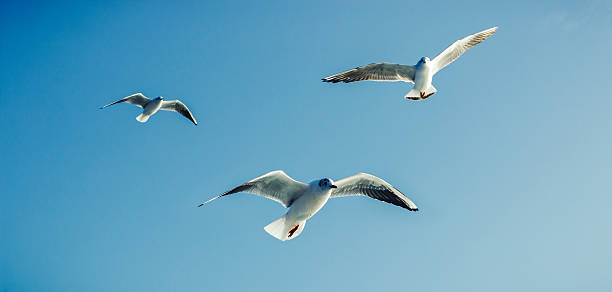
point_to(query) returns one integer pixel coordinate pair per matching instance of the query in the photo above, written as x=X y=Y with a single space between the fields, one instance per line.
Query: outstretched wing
x=375 y=72
x=275 y=185
x=364 y=184
x=136 y=99
x=179 y=107
x=458 y=48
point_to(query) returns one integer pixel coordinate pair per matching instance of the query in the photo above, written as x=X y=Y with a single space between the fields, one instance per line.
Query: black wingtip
x=200 y=205
x=331 y=80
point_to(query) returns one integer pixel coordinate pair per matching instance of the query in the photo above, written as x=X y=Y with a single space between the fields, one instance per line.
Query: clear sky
x=509 y=162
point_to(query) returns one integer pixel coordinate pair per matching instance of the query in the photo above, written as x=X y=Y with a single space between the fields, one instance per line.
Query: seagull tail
x=284 y=230
x=416 y=94
x=142 y=118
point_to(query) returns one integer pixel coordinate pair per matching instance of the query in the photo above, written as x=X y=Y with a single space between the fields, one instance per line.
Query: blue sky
x=509 y=162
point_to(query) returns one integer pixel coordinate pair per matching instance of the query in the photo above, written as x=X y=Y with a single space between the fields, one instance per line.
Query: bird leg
x=423 y=96
x=292 y=231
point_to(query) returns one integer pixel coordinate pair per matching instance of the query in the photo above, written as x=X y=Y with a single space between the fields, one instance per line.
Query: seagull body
x=150 y=109
x=152 y=106
x=304 y=207
x=420 y=74
x=305 y=200
x=422 y=80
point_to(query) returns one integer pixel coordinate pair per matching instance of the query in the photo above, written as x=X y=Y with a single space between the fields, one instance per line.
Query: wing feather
x=375 y=72
x=459 y=47
x=179 y=107
x=275 y=185
x=136 y=99
x=364 y=184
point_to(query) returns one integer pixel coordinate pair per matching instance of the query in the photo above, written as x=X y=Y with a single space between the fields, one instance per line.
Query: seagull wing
x=375 y=72
x=136 y=99
x=364 y=184
x=179 y=107
x=275 y=185
x=458 y=48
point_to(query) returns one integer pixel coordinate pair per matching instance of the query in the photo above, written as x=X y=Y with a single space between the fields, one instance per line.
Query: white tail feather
x=142 y=118
x=416 y=94
x=283 y=230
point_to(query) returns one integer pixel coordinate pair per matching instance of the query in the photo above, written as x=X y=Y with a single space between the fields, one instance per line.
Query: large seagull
x=420 y=74
x=152 y=106
x=305 y=200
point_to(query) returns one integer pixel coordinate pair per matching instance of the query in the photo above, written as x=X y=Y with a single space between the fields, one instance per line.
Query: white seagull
x=152 y=106
x=305 y=200
x=421 y=74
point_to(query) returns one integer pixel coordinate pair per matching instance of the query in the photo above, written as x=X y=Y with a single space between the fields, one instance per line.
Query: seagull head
x=424 y=60
x=327 y=184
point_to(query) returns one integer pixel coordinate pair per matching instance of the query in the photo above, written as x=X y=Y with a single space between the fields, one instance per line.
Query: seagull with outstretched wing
x=152 y=106
x=305 y=200
x=420 y=74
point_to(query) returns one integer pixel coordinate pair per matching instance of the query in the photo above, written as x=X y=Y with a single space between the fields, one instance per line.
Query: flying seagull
x=305 y=200
x=151 y=106
x=421 y=74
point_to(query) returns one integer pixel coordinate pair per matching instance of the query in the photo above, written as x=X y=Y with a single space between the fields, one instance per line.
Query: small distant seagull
x=421 y=74
x=151 y=106
x=305 y=200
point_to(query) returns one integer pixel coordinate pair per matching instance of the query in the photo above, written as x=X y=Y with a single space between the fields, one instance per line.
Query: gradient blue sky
x=510 y=161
